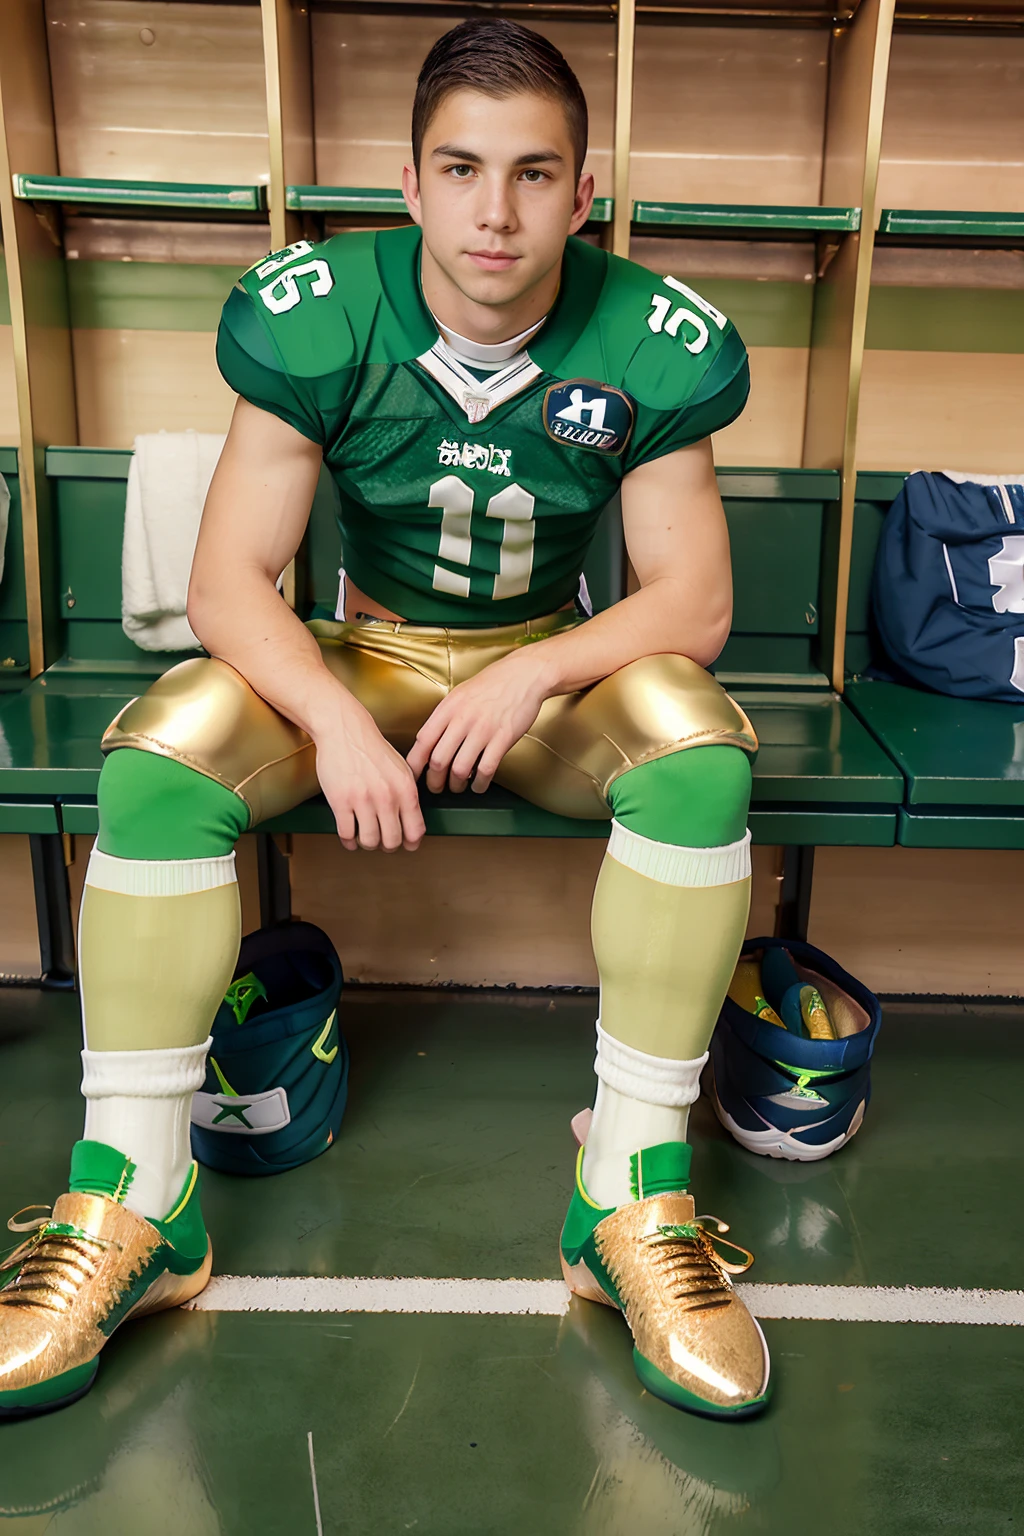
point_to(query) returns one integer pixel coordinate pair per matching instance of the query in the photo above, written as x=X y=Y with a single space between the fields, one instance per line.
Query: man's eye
x=460 y=172
x=534 y=176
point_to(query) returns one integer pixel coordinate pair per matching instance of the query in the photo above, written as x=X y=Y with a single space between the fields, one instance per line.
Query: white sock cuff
x=158 y=877
x=144 y=1074
x=669 y=864
x=651 y=1079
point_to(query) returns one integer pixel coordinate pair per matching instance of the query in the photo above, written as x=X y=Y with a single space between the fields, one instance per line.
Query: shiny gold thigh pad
x=204 y=714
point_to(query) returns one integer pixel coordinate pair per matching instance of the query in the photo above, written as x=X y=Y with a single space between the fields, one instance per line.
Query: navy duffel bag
x=949 y=584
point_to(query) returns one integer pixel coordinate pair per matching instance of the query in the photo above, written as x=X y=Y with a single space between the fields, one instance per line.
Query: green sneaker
x=695 y=1344
x=87 y=1268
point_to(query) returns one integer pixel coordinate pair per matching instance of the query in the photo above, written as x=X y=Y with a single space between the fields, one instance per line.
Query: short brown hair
x=498 y=58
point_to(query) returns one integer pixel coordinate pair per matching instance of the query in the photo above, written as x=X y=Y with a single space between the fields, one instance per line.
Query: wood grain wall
x=954 y=123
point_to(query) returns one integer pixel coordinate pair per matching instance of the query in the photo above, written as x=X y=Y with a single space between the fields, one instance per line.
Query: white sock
x=140 y=1102
x=641 y=1101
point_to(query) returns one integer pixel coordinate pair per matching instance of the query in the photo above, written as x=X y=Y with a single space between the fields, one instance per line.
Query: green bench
x=962 y=759
x=820 y=777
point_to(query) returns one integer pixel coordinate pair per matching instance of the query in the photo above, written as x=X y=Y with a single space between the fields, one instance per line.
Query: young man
x=480 y=386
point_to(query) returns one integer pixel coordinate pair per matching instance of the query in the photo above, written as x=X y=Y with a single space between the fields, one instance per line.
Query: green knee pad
x=697 y=798
x=152 y=807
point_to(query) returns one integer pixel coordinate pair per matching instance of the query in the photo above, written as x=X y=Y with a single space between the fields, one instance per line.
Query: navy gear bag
x=277 y=1073
x=949 y=585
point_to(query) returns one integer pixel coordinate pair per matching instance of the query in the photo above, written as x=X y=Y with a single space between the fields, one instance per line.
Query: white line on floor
x=316 y=1495
x=549 y=1298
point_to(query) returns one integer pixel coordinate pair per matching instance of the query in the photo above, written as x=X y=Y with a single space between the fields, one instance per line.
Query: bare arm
x=253 y=522
x=678 y=542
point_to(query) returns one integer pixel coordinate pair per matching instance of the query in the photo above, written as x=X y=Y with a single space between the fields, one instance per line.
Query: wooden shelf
x=384 y=200
x=97 y=192
x=950 y=226
x=743 y=219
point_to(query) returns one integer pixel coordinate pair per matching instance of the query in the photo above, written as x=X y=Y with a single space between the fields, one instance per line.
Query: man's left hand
x=478 y=722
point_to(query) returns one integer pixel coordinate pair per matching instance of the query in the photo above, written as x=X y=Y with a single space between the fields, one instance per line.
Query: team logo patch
x=588 y=415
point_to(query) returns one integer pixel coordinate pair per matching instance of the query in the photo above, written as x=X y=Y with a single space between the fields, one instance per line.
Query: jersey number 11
x=514 y=507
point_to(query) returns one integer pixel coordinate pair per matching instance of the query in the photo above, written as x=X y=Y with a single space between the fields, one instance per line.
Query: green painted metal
x=88 y=463
x=813 y=750
x=880 y=485
x=345 y=200
x=746 y=216
x=52 y=732
x=307 y=199
x=28 y=816
x=950 y=828
x=954 y=224
x=779 y=484
x=945 y=319
x=954 y=752
x=218 y=196
x=823 y=827
x=79 y=817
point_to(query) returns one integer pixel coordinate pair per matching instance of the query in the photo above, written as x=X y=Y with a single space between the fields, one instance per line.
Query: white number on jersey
x=514 y=507
x=661 y=320
x=1006 y=571
x=283 y=292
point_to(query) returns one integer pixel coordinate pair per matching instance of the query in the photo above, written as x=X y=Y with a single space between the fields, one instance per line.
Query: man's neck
x=488 y=324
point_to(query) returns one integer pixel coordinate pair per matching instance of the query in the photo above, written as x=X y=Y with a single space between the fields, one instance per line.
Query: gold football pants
x=204 y=714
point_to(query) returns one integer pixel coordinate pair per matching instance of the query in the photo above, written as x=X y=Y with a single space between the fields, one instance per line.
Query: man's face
x=496 y=193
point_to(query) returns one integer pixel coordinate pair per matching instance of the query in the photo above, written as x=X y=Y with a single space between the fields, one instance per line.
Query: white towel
x=5 y=512
x=168 y=479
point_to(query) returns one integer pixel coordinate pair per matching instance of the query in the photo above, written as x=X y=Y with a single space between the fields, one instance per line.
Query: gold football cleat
x=87 y=1268
x=695 y=1343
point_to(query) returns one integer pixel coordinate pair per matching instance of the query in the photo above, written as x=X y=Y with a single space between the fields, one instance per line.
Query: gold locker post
x=44 y=370
x=858 y=65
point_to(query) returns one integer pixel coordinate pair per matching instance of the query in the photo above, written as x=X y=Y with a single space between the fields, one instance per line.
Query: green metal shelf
x=344 y=200
x=950 y=224
x=94 y=191
x=744 y=218
x=384 y=200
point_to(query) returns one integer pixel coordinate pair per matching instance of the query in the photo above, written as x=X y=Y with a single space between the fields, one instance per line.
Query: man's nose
x=496 y=209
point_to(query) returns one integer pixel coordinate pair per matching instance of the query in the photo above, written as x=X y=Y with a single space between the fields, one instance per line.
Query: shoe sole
x=581 y=1282
x=783 y=1144
x=169 y=1291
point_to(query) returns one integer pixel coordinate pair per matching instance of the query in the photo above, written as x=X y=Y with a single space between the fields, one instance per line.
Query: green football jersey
x=469 y=498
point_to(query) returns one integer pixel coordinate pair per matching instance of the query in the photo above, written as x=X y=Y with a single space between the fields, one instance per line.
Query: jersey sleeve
x=253 y=367
x=679 y=405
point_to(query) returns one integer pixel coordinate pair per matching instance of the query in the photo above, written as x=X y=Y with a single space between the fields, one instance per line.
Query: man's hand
x=480 y=720
x=368 y=785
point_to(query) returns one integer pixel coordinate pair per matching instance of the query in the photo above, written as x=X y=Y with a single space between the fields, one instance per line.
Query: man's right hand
x=369 y=786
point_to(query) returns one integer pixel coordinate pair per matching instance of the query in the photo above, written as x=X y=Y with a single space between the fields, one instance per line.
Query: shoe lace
x=52 y=1265
x=688 y=1265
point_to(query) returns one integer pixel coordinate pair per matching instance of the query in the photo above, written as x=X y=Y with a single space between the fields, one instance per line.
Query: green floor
x=455 y=1159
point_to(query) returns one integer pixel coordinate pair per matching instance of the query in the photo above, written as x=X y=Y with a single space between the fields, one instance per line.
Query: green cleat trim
x=659 y=1385
x=184 y=1229
x=97 y=1169
x=52 y=1393
x=660 y=1170
x=577 y=1239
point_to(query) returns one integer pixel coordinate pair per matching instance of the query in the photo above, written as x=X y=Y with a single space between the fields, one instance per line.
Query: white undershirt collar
x=477 y=354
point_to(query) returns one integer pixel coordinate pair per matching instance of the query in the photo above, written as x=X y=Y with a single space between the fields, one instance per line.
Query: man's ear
x=583 y=202
x=411 y=192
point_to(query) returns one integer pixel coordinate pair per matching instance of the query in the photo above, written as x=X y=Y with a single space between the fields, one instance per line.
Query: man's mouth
x=492 y=261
